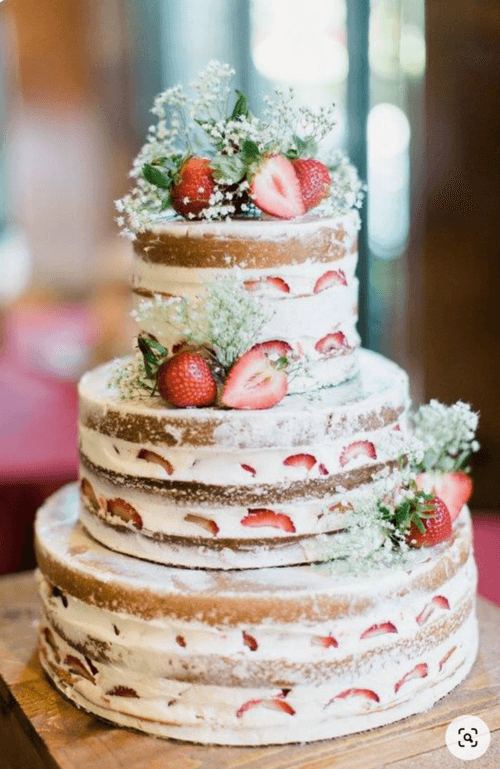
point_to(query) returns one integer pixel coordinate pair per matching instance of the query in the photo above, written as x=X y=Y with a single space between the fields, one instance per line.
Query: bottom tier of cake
x=255 y=657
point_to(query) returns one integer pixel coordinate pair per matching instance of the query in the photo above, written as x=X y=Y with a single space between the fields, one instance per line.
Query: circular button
x=468 y=737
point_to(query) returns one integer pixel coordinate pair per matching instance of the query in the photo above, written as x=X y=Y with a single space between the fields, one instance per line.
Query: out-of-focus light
x=295 y=58
x=384 y=42
x=388 y=180
x=412 y=53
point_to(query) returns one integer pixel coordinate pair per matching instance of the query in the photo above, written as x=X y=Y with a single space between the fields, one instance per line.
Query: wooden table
x=39 y=729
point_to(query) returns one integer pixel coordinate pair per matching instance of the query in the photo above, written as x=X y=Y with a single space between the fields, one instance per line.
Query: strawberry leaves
x=153 y=353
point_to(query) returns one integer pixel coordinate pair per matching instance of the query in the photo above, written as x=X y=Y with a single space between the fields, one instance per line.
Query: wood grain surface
x=39 y=729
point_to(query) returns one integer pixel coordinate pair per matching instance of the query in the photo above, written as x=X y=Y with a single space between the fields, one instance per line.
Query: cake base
x=273 y=656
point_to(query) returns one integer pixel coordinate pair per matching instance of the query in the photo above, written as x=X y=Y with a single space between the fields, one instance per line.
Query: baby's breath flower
x=447 y=434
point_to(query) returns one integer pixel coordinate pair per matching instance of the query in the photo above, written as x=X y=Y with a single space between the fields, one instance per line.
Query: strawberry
x=122 y=691
x=325 y=641
x=249 y=469
x=186 y=381
x=274 y=347
x=89 y=493
x=275 y=188
x=250 y=641
x=314 y=180
x=455 y=489
x=152 y=456
x=300 y=460
x=272 y=704
x=181 y=641
x=447 y=657
x=328 y=279
x=205 y=523
x=441 y=601
x=384 y=627
x=357 y=449
x=78 y=668
x=272 y=282
x=332 y=343
x=438 y=600
x=254 y=382
x=191 y=193
x=125 y=511
x=431 y=527
x=419 y=671
x=262 y=517
x=368 y=694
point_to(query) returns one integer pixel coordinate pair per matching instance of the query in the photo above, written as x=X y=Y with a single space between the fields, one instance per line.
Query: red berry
x=300 y=460
x=437 y=526
x=275 y=188
x=314 y=179
x=191 y=194
x=262 y=517
x=186 y=381
x=330 y=278
x=357 y=449
x=455 y=489
x=331 y=344
x=254 y=382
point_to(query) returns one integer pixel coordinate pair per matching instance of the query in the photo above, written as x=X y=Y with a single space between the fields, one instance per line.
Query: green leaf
x=241 y=107
x=153 y=354
x=156 y=177
x=250 y=150
x=230 y=167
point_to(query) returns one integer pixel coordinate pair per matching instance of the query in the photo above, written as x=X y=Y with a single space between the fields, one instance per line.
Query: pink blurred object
x=487 y=549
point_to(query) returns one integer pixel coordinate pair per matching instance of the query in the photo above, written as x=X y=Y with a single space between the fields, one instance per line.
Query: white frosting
x=193 y=677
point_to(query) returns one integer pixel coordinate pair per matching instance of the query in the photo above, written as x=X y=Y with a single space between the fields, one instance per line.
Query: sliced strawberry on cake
x=455 y=489
x=275 y=188
x=329 y=279
x=261 y=516
x=254 y=382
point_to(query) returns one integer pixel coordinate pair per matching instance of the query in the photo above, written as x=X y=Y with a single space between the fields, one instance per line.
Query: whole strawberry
x=455 y=489
x=314 y=180
x=191 y=193
x=186 y=381
x=431 y=527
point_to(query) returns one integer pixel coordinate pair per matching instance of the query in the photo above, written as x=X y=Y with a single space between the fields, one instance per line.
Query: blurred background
x=416 y=87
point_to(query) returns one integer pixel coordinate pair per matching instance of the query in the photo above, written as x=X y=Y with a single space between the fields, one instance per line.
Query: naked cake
x=268 y=543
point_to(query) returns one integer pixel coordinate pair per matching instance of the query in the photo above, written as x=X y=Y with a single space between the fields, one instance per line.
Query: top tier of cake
x=301 y=271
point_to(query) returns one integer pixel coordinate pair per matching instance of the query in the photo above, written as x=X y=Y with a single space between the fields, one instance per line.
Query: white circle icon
x=468 y=737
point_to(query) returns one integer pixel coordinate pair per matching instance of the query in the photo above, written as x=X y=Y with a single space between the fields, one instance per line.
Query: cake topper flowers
x=208 y=160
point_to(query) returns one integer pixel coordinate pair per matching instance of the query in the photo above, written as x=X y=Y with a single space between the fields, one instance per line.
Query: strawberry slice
x=89 y=493
x=205 y=523
x=447 y=657
x=357 y=449
x=274 y=347
x=152 y=456
x=250 y=641
x=122 y=691
x=330 y=278
x=300 y=460
x=77 y=667
x=180 y=640
x=438 y=600
x=275 y=188
x=455 y=489
x=419 y=671
x=261 y=517
x=314 y=180
x=437 y=526
x=374 y=630
x=367 y=694
x=125 y=511
x=51 y=641
x=273 y=282
x=254 y=382
x=271 y=704
x=332 y=343
x=249 y=469
x=325 y=641
x=323 y=470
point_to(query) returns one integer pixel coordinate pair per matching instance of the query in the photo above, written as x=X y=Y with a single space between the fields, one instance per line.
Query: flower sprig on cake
x=206 y=160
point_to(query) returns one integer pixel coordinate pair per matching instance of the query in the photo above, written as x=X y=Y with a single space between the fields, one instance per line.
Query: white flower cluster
x=226 y=317
x=129 y=378
x=447 y=434
x=198 y=123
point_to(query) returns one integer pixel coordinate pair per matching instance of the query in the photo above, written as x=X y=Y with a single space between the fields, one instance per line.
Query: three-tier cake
x=256 y=553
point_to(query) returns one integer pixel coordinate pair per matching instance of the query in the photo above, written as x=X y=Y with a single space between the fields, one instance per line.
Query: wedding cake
x=267 y=544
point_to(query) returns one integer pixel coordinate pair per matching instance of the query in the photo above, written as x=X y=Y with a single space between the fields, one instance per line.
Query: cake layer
x=302 y=272
x=215 y=488
x=251 y=657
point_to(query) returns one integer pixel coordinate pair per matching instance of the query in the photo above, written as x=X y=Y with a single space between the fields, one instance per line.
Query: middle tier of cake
x=227 y=489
